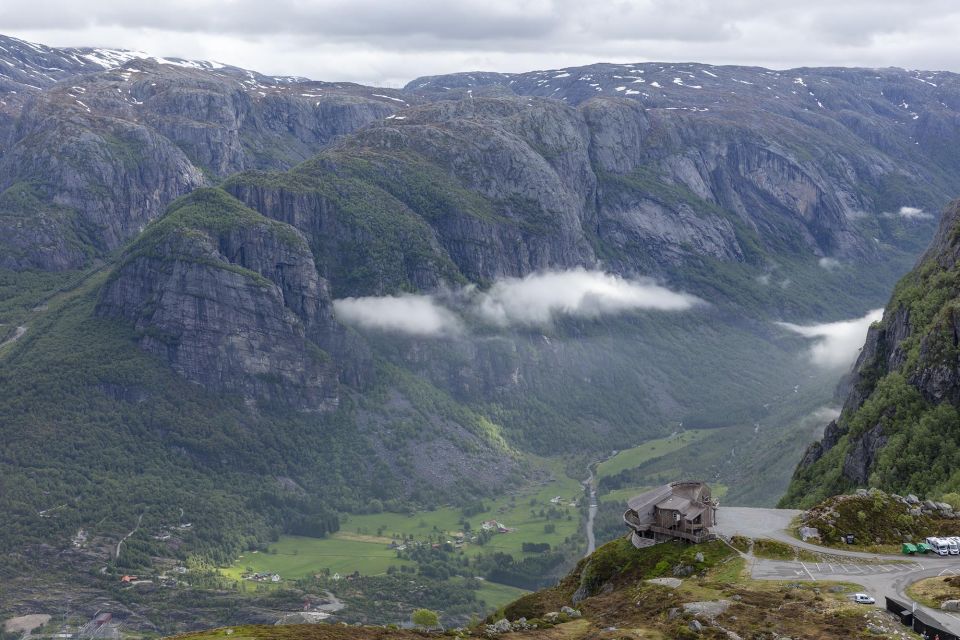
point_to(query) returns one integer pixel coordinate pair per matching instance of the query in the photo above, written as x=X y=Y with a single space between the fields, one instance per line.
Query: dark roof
x=645 y=501
x=683 y=497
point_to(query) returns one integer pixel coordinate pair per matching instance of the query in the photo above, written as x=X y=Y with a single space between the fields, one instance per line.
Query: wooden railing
x=693 y=536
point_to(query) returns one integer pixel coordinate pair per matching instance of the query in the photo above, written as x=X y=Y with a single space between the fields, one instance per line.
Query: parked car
x=863 y=598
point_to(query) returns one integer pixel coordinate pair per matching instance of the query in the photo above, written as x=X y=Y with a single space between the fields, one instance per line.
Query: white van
x=954 y=543
x=939 y=546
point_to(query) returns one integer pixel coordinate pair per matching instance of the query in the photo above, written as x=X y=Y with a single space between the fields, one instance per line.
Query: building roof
x=674 y=503
x=645 y=502
x=684 y=497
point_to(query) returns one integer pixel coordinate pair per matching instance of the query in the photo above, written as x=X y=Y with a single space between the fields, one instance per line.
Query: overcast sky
x=389 y=42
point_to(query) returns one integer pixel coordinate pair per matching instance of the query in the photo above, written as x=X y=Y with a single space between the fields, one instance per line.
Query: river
x=592 y=511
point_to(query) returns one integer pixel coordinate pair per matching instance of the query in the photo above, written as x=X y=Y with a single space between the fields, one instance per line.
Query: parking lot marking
x=807 y=570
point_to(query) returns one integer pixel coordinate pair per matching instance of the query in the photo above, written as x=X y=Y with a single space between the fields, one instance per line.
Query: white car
x=862 y=598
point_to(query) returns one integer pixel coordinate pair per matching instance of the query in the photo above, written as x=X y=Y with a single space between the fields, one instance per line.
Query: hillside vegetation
x=900 y=426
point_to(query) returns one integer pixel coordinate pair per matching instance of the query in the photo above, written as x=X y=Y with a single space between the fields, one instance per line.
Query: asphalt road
x=880 y=575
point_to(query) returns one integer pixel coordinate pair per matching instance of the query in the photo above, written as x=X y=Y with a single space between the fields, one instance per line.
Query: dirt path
x=17 y=334
x=124 y=538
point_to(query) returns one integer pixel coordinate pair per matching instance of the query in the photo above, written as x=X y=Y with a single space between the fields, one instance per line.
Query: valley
x=273 y=346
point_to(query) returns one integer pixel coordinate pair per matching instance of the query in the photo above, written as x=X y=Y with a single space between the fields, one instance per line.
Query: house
x=679 y=510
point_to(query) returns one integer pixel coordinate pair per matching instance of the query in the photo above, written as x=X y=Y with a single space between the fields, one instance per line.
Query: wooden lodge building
x=679 y=510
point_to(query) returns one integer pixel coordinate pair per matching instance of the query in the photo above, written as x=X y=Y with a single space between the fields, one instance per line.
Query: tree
x=425 y=618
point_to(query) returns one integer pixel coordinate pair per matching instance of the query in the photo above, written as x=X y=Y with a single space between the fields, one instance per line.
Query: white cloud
x=409 y=314
x=835 y=345
x=829 y=263
x=533 y=300
x=913 y=213
x=539 y=297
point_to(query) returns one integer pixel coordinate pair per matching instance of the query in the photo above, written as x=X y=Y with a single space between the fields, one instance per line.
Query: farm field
x=362 y=542
x=624 y=494
x=635 y=456
x=297 y=557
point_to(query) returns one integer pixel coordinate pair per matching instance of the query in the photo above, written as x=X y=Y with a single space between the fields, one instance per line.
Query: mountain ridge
x=174 y=241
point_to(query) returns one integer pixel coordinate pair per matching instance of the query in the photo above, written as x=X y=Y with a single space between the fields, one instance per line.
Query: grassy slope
x=635 y=456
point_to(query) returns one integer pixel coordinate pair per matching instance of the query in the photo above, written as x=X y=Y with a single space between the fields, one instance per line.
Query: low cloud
x=835 y=345
x=409 y=314
x=829 y=263
x=913 y=213
x=537 y=298
x=817 y=420
x=909 y=213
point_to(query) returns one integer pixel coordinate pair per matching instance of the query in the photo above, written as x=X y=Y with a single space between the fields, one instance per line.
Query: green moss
x=203 y=216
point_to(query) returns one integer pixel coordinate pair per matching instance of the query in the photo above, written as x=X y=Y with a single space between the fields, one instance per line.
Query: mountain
x=899 y=426
x=260 y=306
x=105 y=140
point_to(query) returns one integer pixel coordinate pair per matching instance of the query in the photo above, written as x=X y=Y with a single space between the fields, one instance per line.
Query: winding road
x=591 y=514
x=881 y=575
x=124 y=538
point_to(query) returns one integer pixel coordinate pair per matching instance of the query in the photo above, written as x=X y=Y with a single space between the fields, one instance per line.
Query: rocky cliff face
x=110 y=146
x=230 y=300
x=904 y=389
x=814 y=138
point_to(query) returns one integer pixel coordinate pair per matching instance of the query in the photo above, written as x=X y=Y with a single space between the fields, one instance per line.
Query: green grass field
x=297 y=557
x=497 y=595
x=361 y=543
x=624 y=494
x=631 y=458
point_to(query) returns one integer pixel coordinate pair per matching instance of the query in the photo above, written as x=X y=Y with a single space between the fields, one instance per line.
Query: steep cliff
x=229 y=299
x=900 y=429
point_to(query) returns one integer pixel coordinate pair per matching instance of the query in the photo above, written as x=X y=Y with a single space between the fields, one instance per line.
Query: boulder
x=708 y=609
x=673 y=583
x=500 y=626
x=912 y=499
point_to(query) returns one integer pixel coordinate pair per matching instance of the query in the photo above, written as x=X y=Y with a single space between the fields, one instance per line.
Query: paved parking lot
x=796 y=570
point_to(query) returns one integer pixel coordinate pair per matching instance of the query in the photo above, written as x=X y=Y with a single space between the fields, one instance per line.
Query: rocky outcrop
x=860 y=458
x=229 y=303
x=913 y=349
